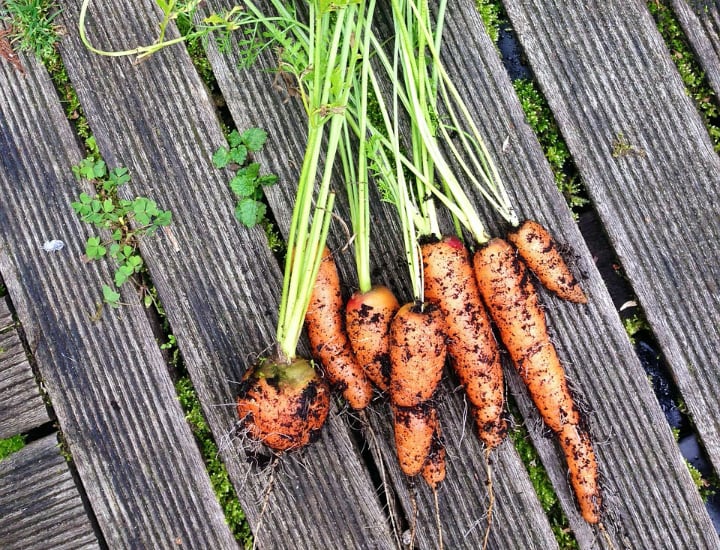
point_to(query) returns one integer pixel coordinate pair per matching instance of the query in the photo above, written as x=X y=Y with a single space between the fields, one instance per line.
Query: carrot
x=414 y=430
x=474 y=354
x=417 y=354
x=541 y=254
x=583 y=468
x=328 y=340
x=433 y=471
x=283 y=405
x=367 y=317
x=512 y=300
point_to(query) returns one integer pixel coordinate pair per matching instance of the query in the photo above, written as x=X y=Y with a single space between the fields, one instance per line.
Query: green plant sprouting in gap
x=32 y=26
x=219 y=477
x=247 y=183
x=124 y=220
x=691 y=73
x=11 y=445
x=543 y=487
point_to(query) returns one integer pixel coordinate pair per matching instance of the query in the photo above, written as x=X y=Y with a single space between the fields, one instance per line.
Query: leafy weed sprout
x=247 y=183
x=125 y=221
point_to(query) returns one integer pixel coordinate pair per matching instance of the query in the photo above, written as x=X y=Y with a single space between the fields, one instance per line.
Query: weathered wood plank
x=651 y=172
x=108 y=383
x=700 y=20
x=254 y=99
x=21 y=405
x=218 y=282
x=6 y=320
x=603 y=366
x=40 y=506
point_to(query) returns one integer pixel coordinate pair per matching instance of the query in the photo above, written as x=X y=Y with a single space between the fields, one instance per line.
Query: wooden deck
x=138 y=480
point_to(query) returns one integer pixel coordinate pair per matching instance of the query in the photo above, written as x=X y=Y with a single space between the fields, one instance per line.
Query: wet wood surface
x=607 y=77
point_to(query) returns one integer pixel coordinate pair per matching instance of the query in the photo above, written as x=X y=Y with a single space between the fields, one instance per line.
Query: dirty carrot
x=368 y=316
x=414 y=430
x=283 y=406
x=512 y=299
x=541 y=254
x=417 y=354
x=280 y=391
x=329 y=342
x=474 y=353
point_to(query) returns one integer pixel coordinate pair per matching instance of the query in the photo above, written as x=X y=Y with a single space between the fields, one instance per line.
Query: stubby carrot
x=325 y=325
x=283 y=405
x=512 y=300
x=417 y=354
x=367 y=317
x=450 y=283
x=541 y=254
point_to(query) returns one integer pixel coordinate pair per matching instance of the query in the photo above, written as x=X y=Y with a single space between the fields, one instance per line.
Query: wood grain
x=40 y=506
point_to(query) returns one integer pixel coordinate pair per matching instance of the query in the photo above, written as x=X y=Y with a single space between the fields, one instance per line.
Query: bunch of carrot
x=457 y=295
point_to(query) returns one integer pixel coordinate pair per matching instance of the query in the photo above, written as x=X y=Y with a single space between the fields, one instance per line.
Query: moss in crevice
x=692 y=75
x=219 y=477
x=11 y=445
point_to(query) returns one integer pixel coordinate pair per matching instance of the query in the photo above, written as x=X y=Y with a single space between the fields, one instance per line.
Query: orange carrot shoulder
x=368 y=317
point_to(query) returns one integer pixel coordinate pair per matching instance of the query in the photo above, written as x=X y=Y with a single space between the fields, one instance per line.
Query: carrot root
x=367 y=318
x=541 y=254
x=328 y=340
x=514 y=305
x=475 y=357
x=283 y=405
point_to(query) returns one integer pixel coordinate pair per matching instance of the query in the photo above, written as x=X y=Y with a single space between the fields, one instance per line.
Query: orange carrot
x=512 y=300
x=283 y=405
x=540 y=252
x=367 y=317
x=328 y=340
x=475 y=357
x=417 y=354
x=414 y=431
x=433 y=471
x=583 y=471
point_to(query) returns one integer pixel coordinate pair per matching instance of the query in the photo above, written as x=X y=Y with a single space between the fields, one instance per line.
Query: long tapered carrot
x=367 y=317
x=450 y=283
x=329 y=343
x=541 y=254
x=512 y=300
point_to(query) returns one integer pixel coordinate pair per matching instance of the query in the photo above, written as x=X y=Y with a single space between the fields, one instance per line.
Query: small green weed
x=11 y=445
x=219 y=477
x=32 y=27
x=125 y=220
x=621 y=147
x=247 y=183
